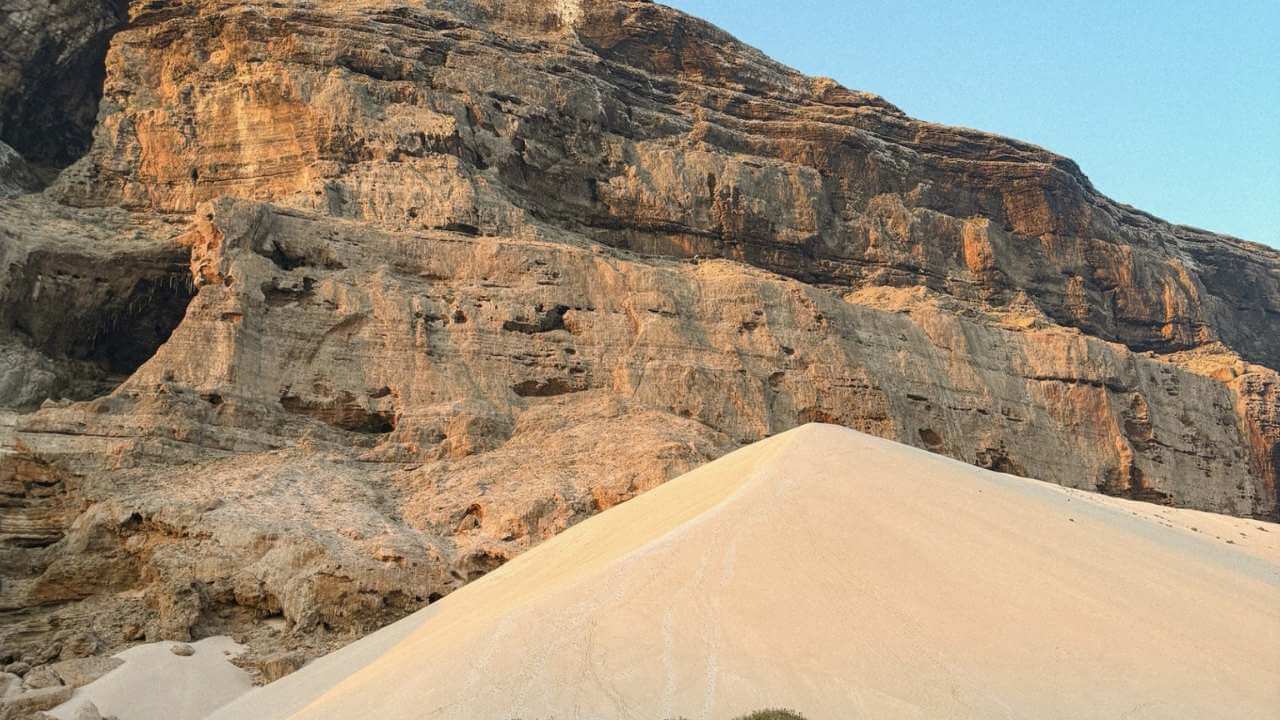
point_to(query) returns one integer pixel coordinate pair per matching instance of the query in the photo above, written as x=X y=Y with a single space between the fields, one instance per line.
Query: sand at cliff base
x=842 y=576
x=155 y=684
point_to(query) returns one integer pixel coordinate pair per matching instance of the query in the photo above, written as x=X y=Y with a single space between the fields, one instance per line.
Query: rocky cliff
x=347 y=302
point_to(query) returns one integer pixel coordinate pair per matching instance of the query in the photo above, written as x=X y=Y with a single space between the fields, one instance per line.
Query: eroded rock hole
x=463 y=228
x=126 y=336
x=548 y=387
x=283 y=260
x=542 y=320
x=95 y=321
x=930 y=438
x=998 y=459
x=478 y=564
x=278 y=294
x=342 y=412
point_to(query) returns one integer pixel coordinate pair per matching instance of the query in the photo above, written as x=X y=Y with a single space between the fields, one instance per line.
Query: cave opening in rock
x=126 y=336
x=95 y=322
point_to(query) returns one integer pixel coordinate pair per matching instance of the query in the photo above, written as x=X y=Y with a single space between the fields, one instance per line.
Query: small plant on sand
x=773 y=715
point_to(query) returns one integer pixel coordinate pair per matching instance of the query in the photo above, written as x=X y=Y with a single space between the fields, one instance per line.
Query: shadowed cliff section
x=107 y=317
x=51 y=73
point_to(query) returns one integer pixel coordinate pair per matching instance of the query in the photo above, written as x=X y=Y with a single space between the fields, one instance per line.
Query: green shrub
x=774 y=714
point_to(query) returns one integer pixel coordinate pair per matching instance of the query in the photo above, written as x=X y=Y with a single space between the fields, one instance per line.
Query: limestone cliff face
x=349 y=302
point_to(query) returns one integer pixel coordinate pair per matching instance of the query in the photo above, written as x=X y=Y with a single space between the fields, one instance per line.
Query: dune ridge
x=844 y=576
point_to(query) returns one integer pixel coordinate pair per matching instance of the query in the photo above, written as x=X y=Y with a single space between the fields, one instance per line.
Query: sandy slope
x=846 y=577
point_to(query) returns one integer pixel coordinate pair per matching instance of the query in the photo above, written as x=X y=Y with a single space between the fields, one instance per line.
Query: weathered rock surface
x=276 y=665
x=31 y=702
x=79 y=672
x=348 y=303
x=16 y=177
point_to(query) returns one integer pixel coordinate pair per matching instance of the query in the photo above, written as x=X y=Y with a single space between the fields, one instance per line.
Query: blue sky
x=1172 y=106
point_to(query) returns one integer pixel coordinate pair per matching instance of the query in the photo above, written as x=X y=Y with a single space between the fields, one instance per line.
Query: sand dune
x=843 y=576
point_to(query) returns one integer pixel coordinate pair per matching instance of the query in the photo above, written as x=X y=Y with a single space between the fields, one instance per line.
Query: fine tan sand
x=842 y=576
x=155 y=684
